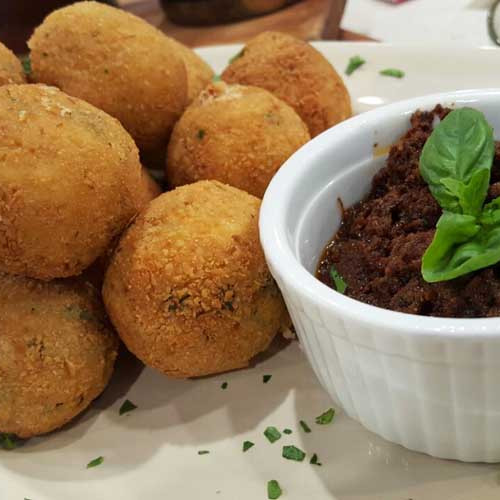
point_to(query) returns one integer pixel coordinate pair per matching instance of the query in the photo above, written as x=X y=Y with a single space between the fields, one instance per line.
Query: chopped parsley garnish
x=338 y=281
x=223 y=385
x=395 y=73
x=304 y=426
x=272 y=434
x=293 y=453
x=287 y=431
x=314 y=460
x=216 y=78
x=273 y=489
x=26 y=62
x=237 y=56
x=266 y=378
x=8 y=441
x=96 y=462
x=247 y=445
x=203 y=452
x=201 y=134
x=127 y=407
x=326 y=417
x=355 y=62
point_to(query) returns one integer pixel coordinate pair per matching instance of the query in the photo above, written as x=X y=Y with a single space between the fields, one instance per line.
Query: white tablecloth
x=445 y=21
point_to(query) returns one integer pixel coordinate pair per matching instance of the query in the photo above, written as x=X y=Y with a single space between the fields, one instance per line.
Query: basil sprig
x=456 y=162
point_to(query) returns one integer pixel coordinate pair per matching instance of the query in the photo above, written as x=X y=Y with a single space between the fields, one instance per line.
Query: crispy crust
x=11 y=69
x=188 y=288
x=235 y=134
x=297 y=73
x=199 y=73
x=149 y=189
x=117 y=62
x=68 y=180
x=56 y=353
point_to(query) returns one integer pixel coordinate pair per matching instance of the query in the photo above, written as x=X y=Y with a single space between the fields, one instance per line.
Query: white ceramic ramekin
x=430 y=384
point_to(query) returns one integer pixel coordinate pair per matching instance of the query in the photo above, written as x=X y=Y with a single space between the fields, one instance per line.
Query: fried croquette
x=188 y=289
x=296 y=72
x=117 y=62
x=235 y=134
x=199 y=73
x=56 y=353
x=11 y=69
x=149 y=189
x=68 y=179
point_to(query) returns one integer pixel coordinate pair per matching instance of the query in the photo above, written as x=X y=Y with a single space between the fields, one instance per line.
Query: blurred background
x=209 y=22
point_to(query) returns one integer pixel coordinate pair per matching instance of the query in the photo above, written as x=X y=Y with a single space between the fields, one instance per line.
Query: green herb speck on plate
x=273 y=489
x=304 y=426
x=293 y=453
x=8 y=441
x=272 y=434
x=326 y=417
x=355 y=62
x=247 y=445
x=95 y=463
x=395 y=73
x=26 y=62
x=127 y=407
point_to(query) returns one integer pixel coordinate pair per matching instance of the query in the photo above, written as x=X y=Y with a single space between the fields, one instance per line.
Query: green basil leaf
x=470 y=196
x=481 y=251
x=459 y=247
x=460 y=147
x=491 y=213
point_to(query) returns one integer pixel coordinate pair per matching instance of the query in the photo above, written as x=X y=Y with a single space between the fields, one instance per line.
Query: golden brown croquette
x=56 y=353
x=68 y=179
x=149 y=189
x=235 y=134
x=11 y=69
x=117 y=62
x=188 y=289
x=199 y=73
x=296 y=72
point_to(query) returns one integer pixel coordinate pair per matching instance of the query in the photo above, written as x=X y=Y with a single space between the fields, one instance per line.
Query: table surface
x=307 y=19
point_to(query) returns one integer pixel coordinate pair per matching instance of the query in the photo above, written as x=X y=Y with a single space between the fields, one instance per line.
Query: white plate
x=152 y=453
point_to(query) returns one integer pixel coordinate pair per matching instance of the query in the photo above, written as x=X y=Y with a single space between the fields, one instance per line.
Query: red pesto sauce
x=379 y=246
